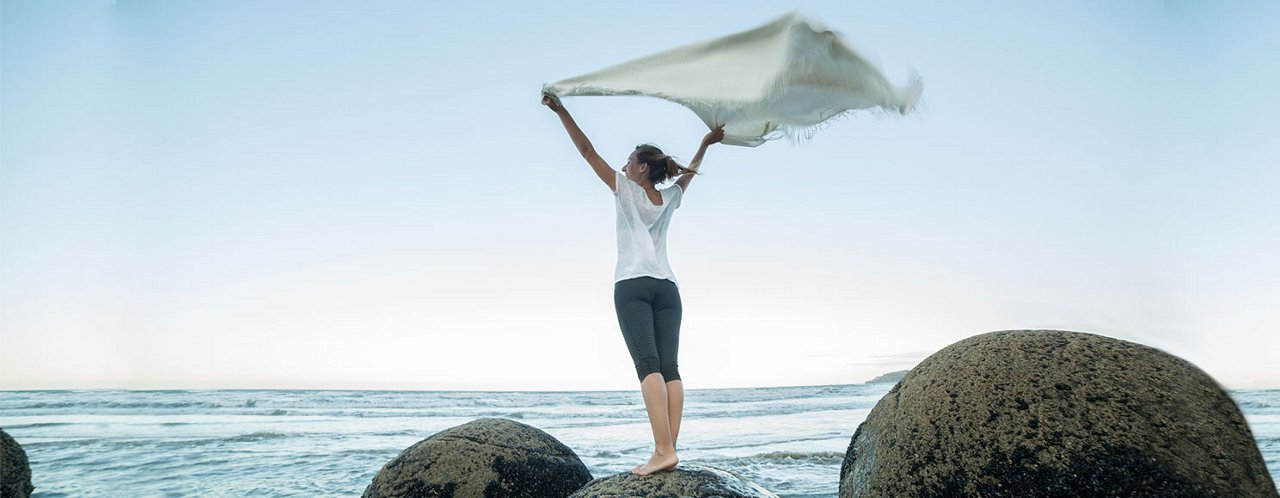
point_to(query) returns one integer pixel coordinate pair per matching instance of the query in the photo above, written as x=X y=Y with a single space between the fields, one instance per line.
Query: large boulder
x=1053 y=413
x=488 y=457
x=686 y=481
x=15 y=471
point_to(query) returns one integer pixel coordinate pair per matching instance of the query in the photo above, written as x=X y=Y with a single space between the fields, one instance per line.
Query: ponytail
x=674 y=168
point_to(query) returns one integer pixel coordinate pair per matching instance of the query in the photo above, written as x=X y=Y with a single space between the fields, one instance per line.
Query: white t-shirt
x=642 y=230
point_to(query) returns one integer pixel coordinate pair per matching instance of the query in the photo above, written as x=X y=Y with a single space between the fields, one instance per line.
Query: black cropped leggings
x=649 y=314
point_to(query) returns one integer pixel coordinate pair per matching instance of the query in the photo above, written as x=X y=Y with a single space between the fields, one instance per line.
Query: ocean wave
x=37 y=425
x=563 y=412
x=256 y=436
x=706 y=403
x=592 y=402
x=405 y=432
x=167 y=444
x=587 y=425
x=361 y=452
x=765 y=411
x=562 y=415
x=766 y=442
x=60 y=443
x=819 y=457
x=80 y=405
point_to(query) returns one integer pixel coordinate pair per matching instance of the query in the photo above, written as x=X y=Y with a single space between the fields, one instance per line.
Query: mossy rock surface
x=490 y=458
x=1054 y=413
x=686 y=481
x=15 y=470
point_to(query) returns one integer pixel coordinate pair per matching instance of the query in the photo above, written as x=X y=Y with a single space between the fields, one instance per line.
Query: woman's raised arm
x=713 y=136
x=606 y=173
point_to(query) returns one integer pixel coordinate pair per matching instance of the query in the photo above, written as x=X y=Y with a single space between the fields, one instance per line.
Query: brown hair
x=661 y=166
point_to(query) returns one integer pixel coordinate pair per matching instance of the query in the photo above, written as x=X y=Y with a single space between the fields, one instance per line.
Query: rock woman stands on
x=644 y=293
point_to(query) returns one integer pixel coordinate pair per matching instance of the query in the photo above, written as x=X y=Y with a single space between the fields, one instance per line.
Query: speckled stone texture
x=15 y=471
x=1053 y=413
x=488 y=457
x=687 y=481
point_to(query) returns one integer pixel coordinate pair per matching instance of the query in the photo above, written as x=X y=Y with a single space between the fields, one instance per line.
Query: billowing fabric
x=780 y=79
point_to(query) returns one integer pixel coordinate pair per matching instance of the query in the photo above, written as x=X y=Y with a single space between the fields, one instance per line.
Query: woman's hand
x=713 y=136
x=552 y=101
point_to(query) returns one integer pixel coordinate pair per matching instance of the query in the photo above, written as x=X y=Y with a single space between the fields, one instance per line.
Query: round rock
x=489 y=457
x=1053 y=413
x=15 y=471
x=686 y=481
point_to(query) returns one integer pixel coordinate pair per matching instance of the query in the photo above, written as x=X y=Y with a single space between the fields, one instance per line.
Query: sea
x=267 y=443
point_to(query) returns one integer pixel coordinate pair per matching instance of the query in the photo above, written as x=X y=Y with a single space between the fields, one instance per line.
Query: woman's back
x=642 y=230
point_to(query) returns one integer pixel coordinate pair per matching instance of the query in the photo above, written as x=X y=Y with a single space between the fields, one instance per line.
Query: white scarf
x=780 y=79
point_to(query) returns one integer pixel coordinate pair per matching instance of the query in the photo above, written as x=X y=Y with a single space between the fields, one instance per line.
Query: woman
x=644 y=293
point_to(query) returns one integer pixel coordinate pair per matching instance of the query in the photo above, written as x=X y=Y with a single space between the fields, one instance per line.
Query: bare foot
x=657 y=462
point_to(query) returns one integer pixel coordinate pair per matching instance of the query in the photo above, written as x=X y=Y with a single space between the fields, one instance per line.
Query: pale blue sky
x=368 y=195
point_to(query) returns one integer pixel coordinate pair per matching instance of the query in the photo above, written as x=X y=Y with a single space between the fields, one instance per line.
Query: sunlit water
x=331 y=443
